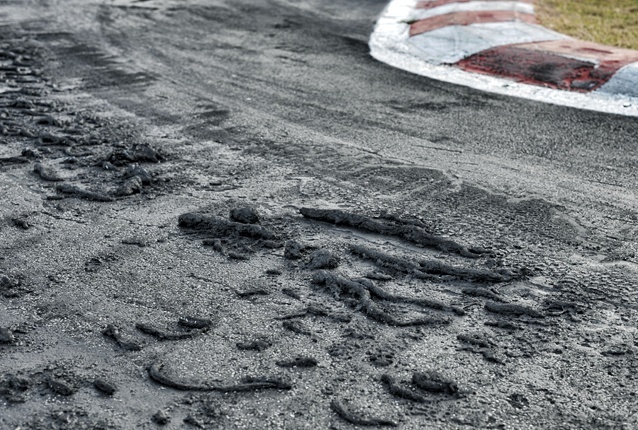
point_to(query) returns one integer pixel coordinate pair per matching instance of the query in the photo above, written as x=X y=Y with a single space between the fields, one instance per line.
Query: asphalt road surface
x=226 y=214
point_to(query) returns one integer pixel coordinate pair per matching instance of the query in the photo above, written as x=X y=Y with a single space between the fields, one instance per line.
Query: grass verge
x=611 y=22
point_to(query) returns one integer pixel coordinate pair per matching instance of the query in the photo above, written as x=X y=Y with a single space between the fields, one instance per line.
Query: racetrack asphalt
x=277 y=105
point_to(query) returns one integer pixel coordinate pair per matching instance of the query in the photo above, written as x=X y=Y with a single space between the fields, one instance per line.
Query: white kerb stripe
x=399 y=9
x=474 y=6
x=451 y=44
x=625 y=81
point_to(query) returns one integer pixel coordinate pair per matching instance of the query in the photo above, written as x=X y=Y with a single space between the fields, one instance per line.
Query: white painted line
x=451 y=44
x=389 y=44
x=473 y=6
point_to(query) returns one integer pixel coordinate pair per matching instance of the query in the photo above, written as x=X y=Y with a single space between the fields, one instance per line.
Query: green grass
x=610 y=22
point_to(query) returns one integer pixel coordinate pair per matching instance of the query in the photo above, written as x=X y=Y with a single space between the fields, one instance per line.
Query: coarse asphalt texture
x=227 y=214
x=499 y=46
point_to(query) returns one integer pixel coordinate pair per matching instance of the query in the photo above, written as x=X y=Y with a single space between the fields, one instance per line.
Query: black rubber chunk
x=248 y=384
x=48 y=120
x=512 y=309
x=478 y=275
x=338 y=407
x=216 y=244
x=293 y=250
x=137 y=171
x=398 y=391
x=390 y=262
x=489 y=355
x=291 y=293
x=424 y=303
x=408 y=232
x=49 y=139
x=114 y=333
x=30 y=152
x=165 y=335
x=434 y=382
x=475 y=339
x=270 y=244
x=192 y=421
x=81 y=193
x=482 y=292
x=47 y=173
x=155 y=373
x=323 y=260
x=129 y=187
x=427 y=269
x=139 y=153
x=300 y=314
x=561 y=304
x=105 y=387
x=252 y=293
x=195 y=322
x=255 y=345
x=298 y=362
x=296 y=327
x=14 y=160
x=61 y=387
x=237 y=256
x=220 y=227
x=17 y=383
x=144 y=152
x=502 y=324
x=245 y=215
x=376 y=276
x=317 y=310
x=10 y=288
x=484 y=345
x=361 y=293
x=257 y=383
x=136 y=240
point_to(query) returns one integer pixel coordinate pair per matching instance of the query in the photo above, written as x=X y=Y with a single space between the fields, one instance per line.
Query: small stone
x=161 y=418
x=32 y=153
x=191 y=420
x=106 y=165
x=22 y=223
x=6 y=336
x=106 y=387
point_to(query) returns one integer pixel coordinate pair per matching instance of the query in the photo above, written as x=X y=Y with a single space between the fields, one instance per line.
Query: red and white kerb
x=498 y=46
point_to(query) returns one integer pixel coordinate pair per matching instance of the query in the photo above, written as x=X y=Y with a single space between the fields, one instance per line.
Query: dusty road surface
x=225 y=214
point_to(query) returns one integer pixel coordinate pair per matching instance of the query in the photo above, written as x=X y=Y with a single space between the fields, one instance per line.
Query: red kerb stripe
x=537 y=67
x=467 y=18
x=606 y=56
x=429 y=4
